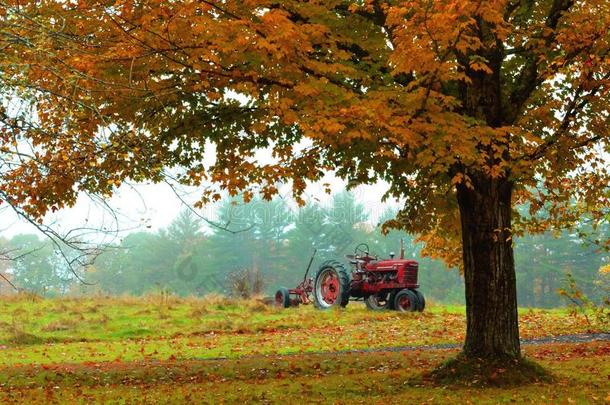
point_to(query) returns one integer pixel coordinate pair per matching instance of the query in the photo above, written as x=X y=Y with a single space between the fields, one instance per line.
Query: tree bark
x=489 y=269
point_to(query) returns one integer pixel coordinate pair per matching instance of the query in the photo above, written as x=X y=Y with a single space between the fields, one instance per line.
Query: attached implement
x=301 y=294
x=382 y=284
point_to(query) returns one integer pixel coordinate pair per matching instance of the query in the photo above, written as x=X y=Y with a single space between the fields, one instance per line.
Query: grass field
x=163 y=349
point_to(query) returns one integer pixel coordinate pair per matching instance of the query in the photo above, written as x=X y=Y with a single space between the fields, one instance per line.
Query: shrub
x=595 y=314
x=245 y=283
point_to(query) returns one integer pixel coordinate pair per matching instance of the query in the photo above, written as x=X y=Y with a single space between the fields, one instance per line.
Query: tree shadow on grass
x=499 y=373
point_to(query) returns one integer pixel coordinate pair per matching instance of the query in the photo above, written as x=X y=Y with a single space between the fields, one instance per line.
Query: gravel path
x=576 y=338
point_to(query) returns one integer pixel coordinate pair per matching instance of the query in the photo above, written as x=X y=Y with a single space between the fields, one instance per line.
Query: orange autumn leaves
x=416 y=93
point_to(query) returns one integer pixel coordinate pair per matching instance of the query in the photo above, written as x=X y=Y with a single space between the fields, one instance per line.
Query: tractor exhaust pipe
x=402 y=249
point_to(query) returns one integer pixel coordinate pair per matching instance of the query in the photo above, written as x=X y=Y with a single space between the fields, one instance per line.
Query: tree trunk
x=489 y=269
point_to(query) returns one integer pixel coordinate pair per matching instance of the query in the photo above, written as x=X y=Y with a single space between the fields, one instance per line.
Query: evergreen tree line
x=274 y=242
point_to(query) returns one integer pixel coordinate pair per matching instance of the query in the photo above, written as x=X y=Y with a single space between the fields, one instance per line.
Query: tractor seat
x=353 y=259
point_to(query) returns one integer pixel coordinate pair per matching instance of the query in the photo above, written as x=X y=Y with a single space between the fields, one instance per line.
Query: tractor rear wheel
x=331 y=286
x=421 y=301
x=405 y=301
x=282 y=298
x=377 y=302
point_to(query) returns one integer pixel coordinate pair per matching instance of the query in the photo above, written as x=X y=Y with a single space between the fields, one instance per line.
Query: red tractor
x=382 y=284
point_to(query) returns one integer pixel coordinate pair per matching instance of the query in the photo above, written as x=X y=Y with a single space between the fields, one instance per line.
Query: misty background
x=254 y=248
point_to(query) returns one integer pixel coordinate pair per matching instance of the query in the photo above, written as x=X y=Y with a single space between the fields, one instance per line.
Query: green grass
x=106 y=329
x=580 y=373
x=161 y=350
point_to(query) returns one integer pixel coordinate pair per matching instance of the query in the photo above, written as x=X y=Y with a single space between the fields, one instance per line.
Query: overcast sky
x=154 y=206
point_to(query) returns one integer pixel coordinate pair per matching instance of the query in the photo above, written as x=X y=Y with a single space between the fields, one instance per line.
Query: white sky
x=154 y=206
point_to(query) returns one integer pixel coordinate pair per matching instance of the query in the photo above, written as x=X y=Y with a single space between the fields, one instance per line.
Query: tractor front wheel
x=377 y=302
x=331 y=286
x=405 y=301
x=282 y=298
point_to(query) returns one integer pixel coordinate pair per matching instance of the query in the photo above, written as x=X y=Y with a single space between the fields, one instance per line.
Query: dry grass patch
x=60 y=325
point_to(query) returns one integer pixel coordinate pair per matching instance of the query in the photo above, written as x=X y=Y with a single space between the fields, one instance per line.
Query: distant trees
x=37 y=266
x=542 y=262
x=277 y=241
x=271 y=242
x=268 y=238
x=163 y=260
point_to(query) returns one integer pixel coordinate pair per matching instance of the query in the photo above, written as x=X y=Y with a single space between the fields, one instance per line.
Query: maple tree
x=465 y=108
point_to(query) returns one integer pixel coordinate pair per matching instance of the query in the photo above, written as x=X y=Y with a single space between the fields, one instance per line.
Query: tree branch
x=530 y=79
x=572 y=109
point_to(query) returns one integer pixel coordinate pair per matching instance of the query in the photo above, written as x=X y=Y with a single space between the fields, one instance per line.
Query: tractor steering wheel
x=362 y=248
